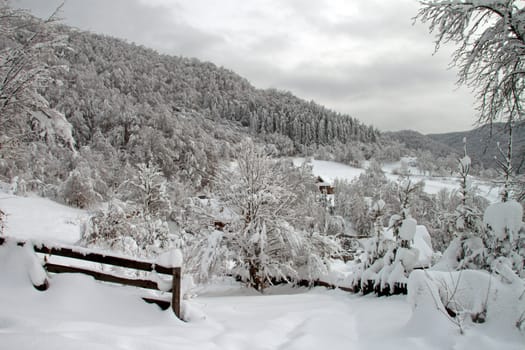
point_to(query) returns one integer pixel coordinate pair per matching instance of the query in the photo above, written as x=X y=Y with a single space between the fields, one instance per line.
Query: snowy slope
x=40 y=218
x=329 y=171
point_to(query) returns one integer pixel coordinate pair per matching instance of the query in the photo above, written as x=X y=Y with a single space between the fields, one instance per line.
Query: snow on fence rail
x=79 y=253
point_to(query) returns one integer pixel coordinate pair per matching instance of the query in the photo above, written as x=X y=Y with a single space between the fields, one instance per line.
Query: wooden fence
x=77 y=253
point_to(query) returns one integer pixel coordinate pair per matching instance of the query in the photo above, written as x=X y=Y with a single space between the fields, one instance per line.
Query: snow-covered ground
x=329 y=171
x=41 y=218
x=81 y=313
x=78 y=312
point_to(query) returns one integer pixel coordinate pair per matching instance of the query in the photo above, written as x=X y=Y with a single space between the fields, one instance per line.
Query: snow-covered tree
x=399 y=257
x=468 y=214
x=491 y=59
x=148 y=191
x=406 y=188
x=478 y=242
x=353 y=200
x=24 y=113
x=462 y=221
x=78 y=190
x=376 y=247
x=266 y=234
x=491 y=49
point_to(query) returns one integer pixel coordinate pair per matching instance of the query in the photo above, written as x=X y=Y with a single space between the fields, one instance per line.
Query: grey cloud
x=347 y=79
x=152 y=26
x=270 y=43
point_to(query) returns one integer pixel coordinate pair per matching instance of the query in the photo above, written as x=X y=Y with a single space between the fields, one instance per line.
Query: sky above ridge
x=363 y=58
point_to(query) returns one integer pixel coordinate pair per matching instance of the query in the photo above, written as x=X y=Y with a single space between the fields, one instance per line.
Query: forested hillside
x=416 y=141
x=118 y=83
x=482 y=144
x=118 y=104
x=145 y=140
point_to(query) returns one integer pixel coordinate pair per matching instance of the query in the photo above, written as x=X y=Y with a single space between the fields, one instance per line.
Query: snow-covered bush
x=78 y=190
x=466 y=297
x=108 y=227
x=124 y=229
x=208 y=255
x=478 y=247
x=505 y=234
x=138 y=226
x=390 y=255
x=453 y=217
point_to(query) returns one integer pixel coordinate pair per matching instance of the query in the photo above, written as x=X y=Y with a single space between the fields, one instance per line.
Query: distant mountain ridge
x=417 y=141
x=482 y=143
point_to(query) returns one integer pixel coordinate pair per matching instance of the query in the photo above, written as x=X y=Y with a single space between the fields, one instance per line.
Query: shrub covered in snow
x=148 y=191
x=122 y=228
x=78 y=190
x=502 y=237
x=390 y=255
x=468 y=296
x=505 y=234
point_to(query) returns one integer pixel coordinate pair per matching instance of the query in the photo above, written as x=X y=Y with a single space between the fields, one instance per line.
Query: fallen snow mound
x=76 y=312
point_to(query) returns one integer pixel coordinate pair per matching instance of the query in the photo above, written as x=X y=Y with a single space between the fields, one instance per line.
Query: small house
x=324 y=187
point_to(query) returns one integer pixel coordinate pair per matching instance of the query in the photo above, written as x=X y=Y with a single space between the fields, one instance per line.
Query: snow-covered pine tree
x=400 y=256
x=377 y=213
x=467 y=220
x=505 y=230
x=405 y=190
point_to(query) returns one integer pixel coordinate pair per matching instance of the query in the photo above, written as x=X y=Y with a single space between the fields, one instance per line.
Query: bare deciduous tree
x=491 y=51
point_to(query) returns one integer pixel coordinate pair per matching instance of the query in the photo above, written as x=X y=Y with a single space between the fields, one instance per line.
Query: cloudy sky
x=361 y=57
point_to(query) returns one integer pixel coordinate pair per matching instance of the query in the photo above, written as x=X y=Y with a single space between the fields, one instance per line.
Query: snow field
x=329 y=171
x=81 y=313
x=78 y=312
x=42 y=219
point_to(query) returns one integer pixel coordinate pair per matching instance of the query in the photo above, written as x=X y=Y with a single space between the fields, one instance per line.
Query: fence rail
x=78 y=253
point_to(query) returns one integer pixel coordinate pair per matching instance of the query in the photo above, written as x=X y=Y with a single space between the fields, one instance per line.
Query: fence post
x=175 y=292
